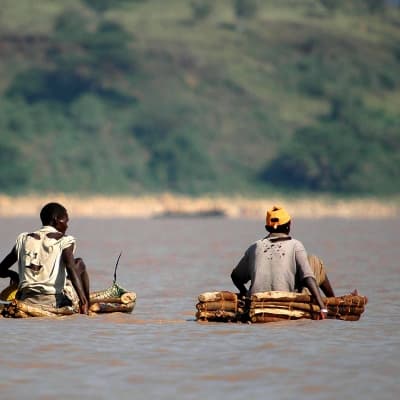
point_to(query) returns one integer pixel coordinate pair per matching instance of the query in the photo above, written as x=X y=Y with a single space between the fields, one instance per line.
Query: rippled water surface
x=161 y=352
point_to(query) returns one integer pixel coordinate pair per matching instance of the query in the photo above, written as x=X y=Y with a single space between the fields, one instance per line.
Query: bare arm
x=68 y=258
x=240 y=275
x=9 y=260
x=242 y=288
x=310 y=283
x=327 y=288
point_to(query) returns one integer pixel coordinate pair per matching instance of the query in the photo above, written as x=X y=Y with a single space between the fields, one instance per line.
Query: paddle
x=116 y=266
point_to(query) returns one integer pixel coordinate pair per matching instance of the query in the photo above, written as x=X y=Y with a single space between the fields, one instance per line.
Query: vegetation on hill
x=189 y=96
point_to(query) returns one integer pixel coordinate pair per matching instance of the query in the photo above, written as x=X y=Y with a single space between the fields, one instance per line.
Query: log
x=348 y=300
x=8 y=310
x=21 y=314
x=218 y=315
x=280 y=312
x=128 y=298
x=11 y=309
x=100 y=308
x=125 y=298
x=281 y=296
x=60 y=310
x=217 y=305
x=282 y=304
x=265 y=319
x=217 y=296
x=33 y=311
x=344 y=310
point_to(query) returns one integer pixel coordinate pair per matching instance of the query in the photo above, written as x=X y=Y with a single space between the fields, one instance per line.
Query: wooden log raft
x=221 y=306
x=283 y=306
x=276 y=306
x=112 y=299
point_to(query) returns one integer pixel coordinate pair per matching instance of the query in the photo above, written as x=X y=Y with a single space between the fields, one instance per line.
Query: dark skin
x=241 y=286
x=312 y=287
x=5 y=272
x=308 y=282
x=326 y=288
x=76 y=268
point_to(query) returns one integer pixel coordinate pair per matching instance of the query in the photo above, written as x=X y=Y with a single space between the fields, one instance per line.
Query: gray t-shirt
x=276 y=262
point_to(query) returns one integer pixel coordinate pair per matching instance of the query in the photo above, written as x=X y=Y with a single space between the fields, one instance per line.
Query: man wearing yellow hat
x=277 y=262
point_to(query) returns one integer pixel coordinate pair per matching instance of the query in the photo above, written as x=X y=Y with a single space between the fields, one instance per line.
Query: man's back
x=277 y=263
x=39 y=260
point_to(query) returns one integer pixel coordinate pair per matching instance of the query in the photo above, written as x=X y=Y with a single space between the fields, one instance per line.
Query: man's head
x=54 y=214
x=277 y=220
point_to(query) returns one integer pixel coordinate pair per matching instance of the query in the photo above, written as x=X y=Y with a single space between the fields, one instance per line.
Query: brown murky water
x=160 y=352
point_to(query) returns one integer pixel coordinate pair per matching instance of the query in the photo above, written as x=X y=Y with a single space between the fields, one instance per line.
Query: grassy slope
x=251 y=76
x=237 y=87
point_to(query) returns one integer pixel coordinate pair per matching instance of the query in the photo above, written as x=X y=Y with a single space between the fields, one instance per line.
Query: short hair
x=284 y=228
x=51 y=211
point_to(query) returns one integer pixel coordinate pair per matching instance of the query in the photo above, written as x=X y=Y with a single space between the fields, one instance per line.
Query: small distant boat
x=275 y=306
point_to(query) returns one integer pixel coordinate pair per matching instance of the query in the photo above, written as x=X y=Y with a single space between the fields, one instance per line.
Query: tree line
x=87 y=113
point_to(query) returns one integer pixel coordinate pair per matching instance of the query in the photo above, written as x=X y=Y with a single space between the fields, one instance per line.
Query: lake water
x=160 y=351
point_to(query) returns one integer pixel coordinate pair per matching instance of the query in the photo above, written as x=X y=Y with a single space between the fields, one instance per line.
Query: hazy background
x=200 y=96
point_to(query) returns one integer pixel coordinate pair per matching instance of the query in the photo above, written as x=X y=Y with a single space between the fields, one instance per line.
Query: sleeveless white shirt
x=40 y=264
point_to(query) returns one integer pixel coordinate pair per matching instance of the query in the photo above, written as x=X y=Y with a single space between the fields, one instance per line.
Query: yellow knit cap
x=277 y=216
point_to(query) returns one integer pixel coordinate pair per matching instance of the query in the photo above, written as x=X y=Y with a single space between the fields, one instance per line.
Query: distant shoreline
x=97 y=206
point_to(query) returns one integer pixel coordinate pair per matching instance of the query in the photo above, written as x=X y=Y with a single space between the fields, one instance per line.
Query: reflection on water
x=161 y=351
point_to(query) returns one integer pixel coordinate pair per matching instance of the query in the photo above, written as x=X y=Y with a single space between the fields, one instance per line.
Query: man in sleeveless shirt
x=45 y=261
x=277 y=262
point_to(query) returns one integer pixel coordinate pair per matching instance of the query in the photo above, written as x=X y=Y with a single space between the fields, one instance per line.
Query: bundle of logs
x=113 y=299
x=275 y=306
x=219 y=306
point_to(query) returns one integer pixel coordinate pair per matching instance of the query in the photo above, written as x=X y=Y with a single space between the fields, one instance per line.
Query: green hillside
x=199 y=96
